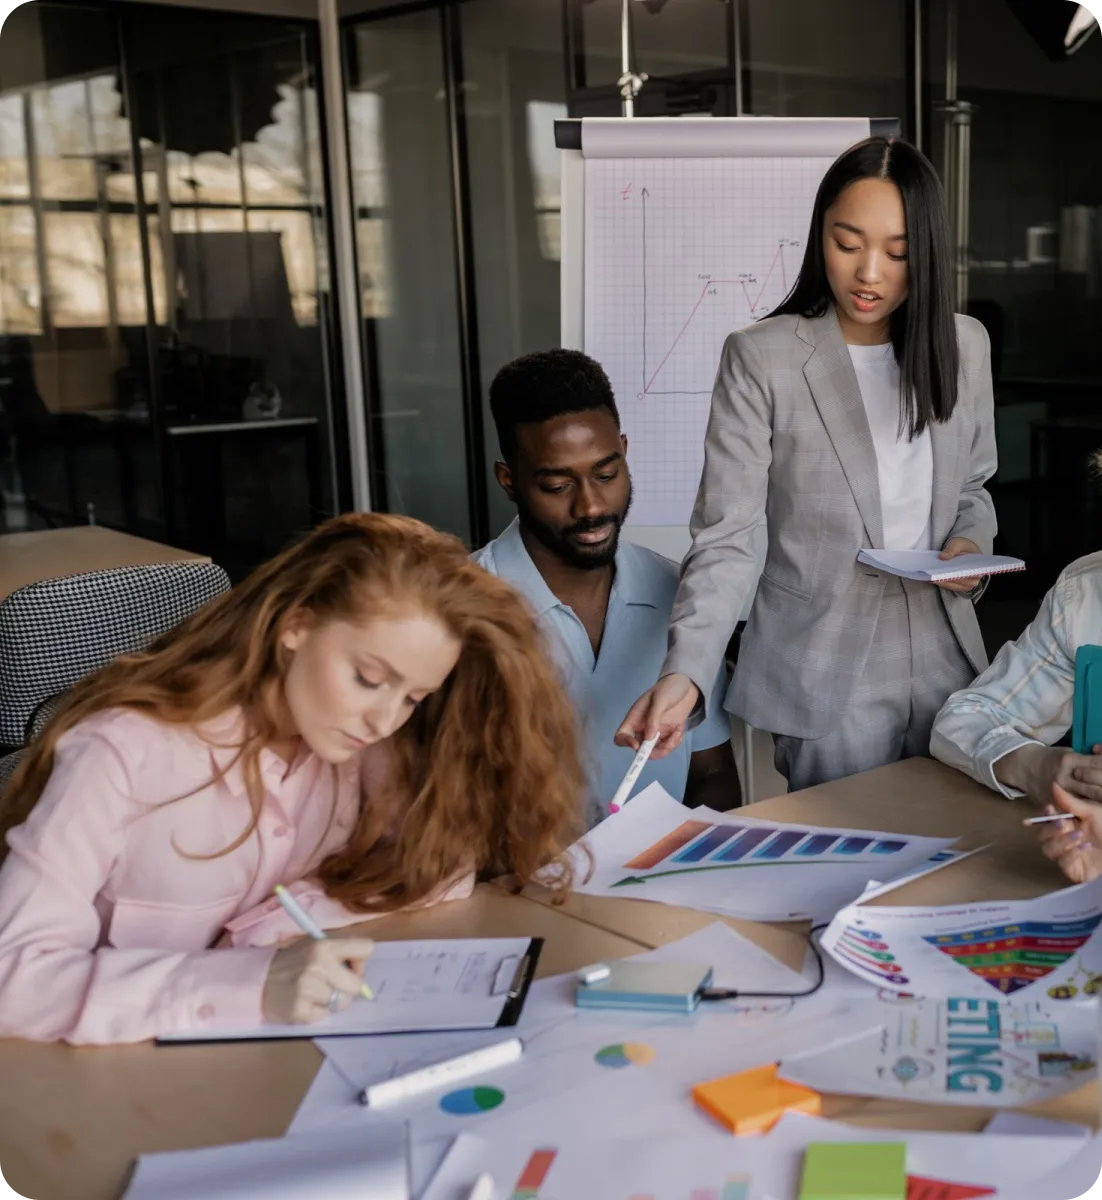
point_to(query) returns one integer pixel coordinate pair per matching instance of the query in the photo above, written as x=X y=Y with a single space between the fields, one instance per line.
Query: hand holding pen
x=313 y=979
x=1070 y=832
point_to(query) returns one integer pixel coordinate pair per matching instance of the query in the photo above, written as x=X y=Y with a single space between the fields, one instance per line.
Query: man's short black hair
x=537 y=387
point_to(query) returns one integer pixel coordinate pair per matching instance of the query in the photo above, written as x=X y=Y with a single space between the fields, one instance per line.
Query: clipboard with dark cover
x=511 y=1009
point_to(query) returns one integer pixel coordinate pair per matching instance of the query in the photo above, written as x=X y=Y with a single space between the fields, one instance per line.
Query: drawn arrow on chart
x=630 y=880
x=645 y=194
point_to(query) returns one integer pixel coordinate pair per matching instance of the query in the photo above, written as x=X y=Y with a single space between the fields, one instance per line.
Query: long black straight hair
x=923 y=328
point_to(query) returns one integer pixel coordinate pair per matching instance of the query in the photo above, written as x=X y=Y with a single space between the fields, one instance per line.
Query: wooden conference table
x=47 y=553
x=72 y=1119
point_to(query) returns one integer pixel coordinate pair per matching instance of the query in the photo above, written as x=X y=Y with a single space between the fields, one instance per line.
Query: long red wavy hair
x=485 y=774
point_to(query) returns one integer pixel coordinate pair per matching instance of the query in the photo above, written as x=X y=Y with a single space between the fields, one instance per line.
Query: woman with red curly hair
x=369 y=719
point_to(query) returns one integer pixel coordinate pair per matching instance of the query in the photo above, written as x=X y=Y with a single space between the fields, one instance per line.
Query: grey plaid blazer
x=788 y=438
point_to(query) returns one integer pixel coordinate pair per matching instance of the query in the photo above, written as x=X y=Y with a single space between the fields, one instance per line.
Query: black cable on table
x=735 y=994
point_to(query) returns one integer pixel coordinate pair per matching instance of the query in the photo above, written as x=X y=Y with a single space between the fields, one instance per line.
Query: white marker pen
x=404 y=1087
x=637 y=765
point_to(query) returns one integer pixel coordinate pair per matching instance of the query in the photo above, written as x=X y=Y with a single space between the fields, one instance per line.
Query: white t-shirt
x=905 y=467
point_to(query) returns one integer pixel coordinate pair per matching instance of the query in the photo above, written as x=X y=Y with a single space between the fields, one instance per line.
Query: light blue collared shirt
x=633 y=646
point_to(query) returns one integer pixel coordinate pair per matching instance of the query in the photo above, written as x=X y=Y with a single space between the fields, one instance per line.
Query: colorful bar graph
x=535 y=1171
x=817 y=844
x=781 y=844
x=681 y=836
x=705 y=845
x=746 y=843
x=697 y=841
x=852 y=845
x=737 y=1187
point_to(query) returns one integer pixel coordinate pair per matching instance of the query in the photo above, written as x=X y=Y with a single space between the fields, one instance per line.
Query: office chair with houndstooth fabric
x=56 y=631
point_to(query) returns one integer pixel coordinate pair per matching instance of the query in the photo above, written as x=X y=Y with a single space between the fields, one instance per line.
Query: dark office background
x=166 y=264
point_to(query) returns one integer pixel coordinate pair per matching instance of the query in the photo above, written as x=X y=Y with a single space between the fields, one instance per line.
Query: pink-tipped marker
x=628 y=782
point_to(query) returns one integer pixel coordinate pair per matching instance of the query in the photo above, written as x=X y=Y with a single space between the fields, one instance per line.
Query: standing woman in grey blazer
x=858 y=414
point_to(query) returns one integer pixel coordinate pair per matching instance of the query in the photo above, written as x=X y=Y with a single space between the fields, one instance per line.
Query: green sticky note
x=855 y=1171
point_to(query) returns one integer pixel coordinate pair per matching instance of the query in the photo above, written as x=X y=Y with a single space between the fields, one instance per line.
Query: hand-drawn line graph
x=678 y=254
x=745 y=280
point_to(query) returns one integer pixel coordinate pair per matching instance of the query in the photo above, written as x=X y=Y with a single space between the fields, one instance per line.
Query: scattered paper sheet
x=629 y=1073
x=1079 y=1176
x=958 y=1051
x=459 y=983
x=331 y=1164
x=1049 y=947
x=1015 y=1124
x=758 y=1168
x=952 y=1158
x=330 y=1104
x=656 y=849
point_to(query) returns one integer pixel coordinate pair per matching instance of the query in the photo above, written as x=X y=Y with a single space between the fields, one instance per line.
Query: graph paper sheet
x=656 y=849
x=678 y=254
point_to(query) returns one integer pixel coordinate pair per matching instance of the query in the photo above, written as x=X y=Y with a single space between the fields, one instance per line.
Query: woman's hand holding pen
x=662 y=710
x=310 y=980
x=954 y=547
x=1075 y=845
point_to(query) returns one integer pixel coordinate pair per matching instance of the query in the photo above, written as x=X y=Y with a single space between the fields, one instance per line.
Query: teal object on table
x=1086 y=722
x=658 y=986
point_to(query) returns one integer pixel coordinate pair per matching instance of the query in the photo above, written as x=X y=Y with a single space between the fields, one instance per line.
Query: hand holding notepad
x=927 y=566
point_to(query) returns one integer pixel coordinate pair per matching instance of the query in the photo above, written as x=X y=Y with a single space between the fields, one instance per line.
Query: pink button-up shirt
x=106 y=914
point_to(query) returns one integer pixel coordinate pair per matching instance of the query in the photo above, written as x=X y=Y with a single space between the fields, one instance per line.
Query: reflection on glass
x=227 y=124
x=669 y=38
x=128 y=275
x=513 y=64
x=20 y=291
x=844 y=59
x=369 y=188
x=398 y=143
x=543 y=161
x=75 y=268
x=233 y=137
x=14 y=179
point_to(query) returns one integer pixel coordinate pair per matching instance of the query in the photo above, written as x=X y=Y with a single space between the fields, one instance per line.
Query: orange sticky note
x=754 y=1101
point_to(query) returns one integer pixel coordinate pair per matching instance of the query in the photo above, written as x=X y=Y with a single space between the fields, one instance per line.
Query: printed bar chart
x=746 y=843
x=780 y=845
x=527 y=1187
x=668 y=845
x=701 y=848
x=695 y=842
x=1011 y=957
x=817 y=844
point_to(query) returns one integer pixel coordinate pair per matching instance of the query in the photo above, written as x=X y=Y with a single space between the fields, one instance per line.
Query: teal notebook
x=1086 y=722
x=658 y=987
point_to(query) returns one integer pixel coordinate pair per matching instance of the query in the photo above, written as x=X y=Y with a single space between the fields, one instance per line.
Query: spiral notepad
x=927 y=567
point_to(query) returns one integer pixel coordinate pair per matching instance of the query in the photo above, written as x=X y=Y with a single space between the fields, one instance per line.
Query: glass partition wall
x=167 y=337
x=164 y=299
x=451 y=110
